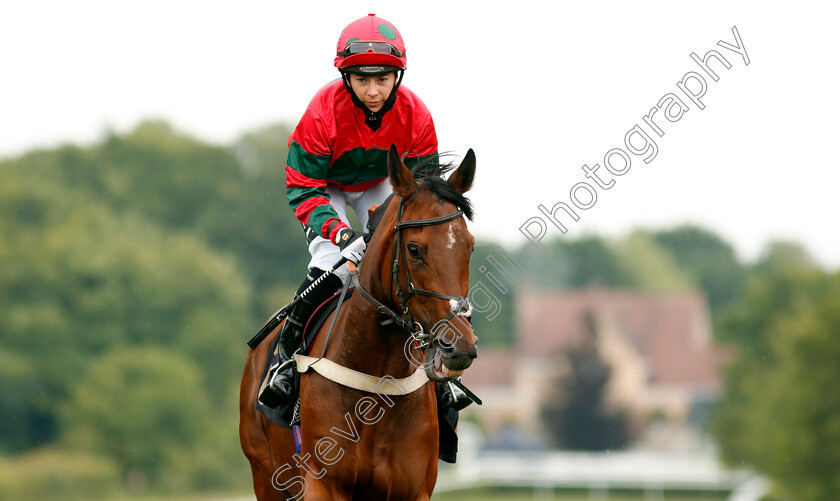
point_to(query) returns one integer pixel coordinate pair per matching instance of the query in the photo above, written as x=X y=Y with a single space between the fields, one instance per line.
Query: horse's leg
x=252 y=434
x=264 y=444
x=274 y=473
x=428 y=485
x=322 y=491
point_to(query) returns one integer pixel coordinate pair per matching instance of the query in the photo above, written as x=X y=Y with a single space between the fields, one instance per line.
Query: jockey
x=338 y=156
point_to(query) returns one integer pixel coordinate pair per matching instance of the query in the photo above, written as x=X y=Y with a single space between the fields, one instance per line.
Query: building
x=665 y=367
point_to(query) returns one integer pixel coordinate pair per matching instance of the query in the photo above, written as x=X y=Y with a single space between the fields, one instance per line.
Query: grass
x=528 y=494
x=486 y=494
x=185 y=497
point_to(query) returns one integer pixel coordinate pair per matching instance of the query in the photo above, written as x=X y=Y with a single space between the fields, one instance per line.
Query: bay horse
x=375 y=444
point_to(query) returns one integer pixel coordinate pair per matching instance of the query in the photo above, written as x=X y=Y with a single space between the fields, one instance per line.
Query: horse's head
x=424 y=258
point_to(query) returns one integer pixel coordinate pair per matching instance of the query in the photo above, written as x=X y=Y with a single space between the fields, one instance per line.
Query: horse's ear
x=463 y=176
x=401 y=179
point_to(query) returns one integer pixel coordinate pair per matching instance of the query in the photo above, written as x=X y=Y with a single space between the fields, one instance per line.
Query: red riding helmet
x=370 y=41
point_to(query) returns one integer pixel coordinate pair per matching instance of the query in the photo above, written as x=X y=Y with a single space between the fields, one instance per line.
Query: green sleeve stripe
x=319 y=216
x=309 y=164
x=298 y=195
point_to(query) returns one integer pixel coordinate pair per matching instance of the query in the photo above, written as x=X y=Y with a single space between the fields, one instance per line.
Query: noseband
x=459 y=306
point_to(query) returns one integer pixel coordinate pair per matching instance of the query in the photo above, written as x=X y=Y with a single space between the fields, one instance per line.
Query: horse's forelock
x=435 y=184
x=445 y=191
x=429 y=172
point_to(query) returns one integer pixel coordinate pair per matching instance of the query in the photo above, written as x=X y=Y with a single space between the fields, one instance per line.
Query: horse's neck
x=366 y=346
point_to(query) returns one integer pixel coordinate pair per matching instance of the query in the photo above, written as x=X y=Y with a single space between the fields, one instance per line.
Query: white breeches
x=324 y=253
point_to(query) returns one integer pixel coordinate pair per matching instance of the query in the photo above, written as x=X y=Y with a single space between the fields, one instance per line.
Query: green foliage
x=650 y=267
x=768 y=300
x=781 y=412
x=146 y=408
x=494 y=327
x=87 y=281
x=636 y=262
x=133 y=270
x=566 y=264
x=780 y=255
x=26 y=421
x=259 y=227
x=52 y=474
x=134 y=243
x=234 y=198
x=710 y=262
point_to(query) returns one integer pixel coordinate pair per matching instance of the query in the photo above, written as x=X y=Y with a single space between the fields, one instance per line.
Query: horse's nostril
x=446 y=349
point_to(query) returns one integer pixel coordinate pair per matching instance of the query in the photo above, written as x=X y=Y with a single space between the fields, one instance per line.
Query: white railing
x=652 y=472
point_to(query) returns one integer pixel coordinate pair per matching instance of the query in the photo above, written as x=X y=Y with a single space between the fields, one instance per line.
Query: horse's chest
x=390 y=459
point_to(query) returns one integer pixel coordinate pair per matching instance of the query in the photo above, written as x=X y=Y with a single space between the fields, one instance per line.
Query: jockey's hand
x=352 y=245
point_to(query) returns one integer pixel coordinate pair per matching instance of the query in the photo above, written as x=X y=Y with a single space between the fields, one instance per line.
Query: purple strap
x=296 y=433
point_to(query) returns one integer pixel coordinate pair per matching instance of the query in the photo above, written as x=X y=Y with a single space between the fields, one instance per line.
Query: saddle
x=284 y=415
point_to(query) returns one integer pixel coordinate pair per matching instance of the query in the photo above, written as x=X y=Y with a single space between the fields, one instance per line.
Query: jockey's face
x=373 y=90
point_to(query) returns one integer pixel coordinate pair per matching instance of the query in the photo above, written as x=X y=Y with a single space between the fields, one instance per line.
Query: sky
x=537 y=89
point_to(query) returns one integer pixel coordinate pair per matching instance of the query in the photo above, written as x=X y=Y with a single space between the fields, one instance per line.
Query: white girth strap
x=385 y=385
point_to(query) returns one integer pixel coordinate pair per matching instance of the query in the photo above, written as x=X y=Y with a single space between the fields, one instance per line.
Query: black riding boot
x=280 y=387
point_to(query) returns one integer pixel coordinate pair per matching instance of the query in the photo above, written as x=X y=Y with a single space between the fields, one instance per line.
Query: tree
x=260 y=228
x=233 y=197
x=577 y=415
x=151 y=243
x=146 y=408
x=566 y=264
x=495 y=324
x=779 y=255
x=76 y=280
x=591 y=261
x=709 y=261
x=649 y=266
x=781 y=410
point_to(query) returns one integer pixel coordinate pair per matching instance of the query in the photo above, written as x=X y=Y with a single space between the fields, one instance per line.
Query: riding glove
x=351 y=244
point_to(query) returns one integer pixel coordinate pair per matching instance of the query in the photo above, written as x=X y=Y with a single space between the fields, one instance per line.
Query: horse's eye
x=413 y=251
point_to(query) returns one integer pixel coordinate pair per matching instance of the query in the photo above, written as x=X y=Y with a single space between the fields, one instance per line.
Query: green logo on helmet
x=387 y=32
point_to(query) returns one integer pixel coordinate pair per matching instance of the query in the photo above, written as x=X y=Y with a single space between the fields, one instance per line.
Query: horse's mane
x=428 y=173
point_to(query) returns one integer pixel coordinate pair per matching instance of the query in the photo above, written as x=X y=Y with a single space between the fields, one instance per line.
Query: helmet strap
x=373 y=119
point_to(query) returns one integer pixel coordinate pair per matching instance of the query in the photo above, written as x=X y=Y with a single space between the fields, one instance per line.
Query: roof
x=670 y=330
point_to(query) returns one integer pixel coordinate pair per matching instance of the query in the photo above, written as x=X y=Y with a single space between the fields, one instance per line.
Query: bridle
x=425 y=342
x=459 y=306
